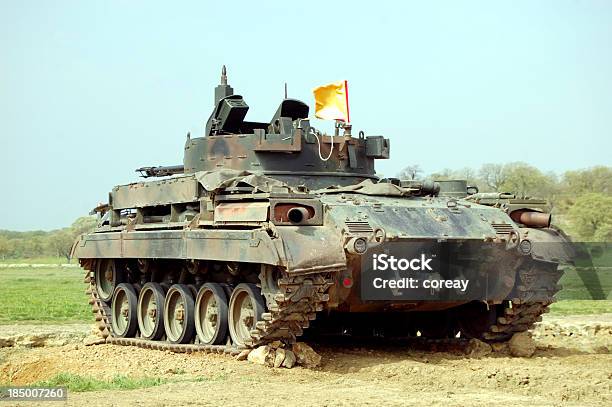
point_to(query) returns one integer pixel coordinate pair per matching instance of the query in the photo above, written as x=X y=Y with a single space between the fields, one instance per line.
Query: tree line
x=581 y=200
x=55 y=243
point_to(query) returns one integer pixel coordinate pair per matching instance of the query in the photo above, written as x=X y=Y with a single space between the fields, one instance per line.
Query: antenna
x=285 y=90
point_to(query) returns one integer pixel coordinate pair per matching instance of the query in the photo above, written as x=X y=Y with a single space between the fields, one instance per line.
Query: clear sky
x=90 y=90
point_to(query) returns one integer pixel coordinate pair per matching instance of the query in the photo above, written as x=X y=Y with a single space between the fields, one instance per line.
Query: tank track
x=291 y=307
x=534 y=290
x=294 y=302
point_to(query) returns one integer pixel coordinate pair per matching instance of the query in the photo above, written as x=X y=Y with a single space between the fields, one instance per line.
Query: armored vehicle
x=268 y=228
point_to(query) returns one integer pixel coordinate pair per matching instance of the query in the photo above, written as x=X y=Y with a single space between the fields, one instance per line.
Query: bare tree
x=410 y=172
x=494 y=175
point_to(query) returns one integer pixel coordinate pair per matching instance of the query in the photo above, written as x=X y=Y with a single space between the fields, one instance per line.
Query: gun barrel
x=160 y=171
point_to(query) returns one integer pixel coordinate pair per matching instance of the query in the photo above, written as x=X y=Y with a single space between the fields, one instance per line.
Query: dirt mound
x=33 y=336
x=589 y=333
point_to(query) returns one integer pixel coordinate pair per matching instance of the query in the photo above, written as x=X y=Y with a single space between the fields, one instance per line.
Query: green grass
x=586 y=284
x=82 y=383
x=43 y=295
x=79 y=383
x=38 y=260
x=579 y=307
x=584 y=292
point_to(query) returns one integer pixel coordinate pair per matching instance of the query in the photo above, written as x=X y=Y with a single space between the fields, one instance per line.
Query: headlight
x=360 y=245
x=525 y=247
x=357 y=245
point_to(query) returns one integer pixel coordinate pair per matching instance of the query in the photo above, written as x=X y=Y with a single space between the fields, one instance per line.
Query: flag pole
x=348 y=115
x=347 y=126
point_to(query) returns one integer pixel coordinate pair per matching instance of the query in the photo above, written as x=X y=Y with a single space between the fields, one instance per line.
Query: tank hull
x=309 y=269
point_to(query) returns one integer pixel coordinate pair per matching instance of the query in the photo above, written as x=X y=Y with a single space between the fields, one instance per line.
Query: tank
x=270 y=230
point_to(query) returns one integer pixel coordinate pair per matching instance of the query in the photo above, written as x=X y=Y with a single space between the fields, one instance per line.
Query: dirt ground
x=572 y=366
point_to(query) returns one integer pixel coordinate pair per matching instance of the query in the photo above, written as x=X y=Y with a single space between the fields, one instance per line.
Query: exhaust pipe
x=531 y=218
x=297 y=215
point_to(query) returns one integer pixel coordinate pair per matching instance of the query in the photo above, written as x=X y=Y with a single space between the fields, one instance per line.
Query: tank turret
x=287 y=147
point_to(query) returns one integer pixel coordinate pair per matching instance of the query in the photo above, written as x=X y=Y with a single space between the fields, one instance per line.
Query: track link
x=534 y=290
x=291 y=306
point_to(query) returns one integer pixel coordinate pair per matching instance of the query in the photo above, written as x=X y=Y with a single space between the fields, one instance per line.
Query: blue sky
x=91 y=90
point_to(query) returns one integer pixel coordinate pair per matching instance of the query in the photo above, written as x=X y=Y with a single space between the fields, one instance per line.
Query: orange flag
x=331 y=101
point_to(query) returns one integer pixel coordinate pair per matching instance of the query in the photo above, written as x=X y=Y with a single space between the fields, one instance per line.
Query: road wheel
x=123 y=311
x=179 y=314
x=151 y=311
x=211 y=314
x=107 y=276
x=245 y=309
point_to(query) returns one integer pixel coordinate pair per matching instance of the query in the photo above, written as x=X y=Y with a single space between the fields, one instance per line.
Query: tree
x=410 y=172
x=493 y=176
x=467 y=174
x=525 y=180
x=579 y=182
x=84 y=224
x=5 y=247
x=443 y=175
x=591 y=217
x=597 y=179
x=62 y=241
x=38 y=246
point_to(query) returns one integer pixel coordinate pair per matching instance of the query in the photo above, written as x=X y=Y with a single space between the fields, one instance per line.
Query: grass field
x=586 y=284
x=39 y=260
x=581 y=307
x=579 y=289
x=43 y=295
x=56 y=295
